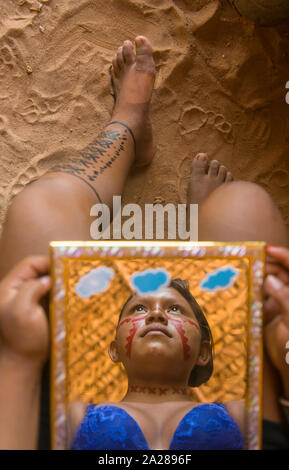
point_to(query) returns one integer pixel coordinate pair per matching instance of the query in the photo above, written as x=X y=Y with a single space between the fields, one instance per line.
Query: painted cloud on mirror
x=219 y=279
x=94 y=282
x=150 y=280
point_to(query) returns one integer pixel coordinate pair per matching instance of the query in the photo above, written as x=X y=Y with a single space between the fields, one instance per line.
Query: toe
x=202 y=156
x=213 y=168
x=119 y=58
x=128 y=53
x=144 y=53
x=200 y=164
x=113 y=78
x=114 y=70
x=229 y=177
x=222 y=173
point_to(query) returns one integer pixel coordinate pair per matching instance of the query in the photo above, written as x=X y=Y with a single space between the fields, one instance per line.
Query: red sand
x=220 y=89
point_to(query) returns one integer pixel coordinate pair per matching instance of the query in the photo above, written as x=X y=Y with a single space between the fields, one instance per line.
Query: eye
x=175 y=309
x=139 y=308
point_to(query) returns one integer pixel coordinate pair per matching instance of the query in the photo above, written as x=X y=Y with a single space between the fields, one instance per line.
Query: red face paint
x=178 y=324
x=135 y=326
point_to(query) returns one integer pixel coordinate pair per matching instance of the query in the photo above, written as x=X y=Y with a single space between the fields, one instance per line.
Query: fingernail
x=274 y=282
x=273 y=247
x=45 y=280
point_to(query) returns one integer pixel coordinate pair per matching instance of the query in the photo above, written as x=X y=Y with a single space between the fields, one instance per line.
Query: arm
x=237 y=409
x=76 y=414
x=19 y=404
x=23 y=350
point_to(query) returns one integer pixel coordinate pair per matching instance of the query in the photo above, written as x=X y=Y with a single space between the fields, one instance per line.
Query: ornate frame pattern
x=61 y=251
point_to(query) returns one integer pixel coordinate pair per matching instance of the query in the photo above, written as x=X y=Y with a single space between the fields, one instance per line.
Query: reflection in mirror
x=156 y=346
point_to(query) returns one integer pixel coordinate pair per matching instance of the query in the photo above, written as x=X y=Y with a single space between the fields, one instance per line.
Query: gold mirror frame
x=72 y=260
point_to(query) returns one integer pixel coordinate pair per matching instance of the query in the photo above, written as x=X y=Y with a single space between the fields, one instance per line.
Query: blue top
x=207 y=426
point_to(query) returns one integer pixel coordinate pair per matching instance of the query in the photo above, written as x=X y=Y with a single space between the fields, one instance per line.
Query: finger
x=30 y=268
x=279 y=292
x=271 y=309
x=32 y=291
x=277 y=270
x=279 y=253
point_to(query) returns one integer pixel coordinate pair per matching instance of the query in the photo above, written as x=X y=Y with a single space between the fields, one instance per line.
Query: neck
x=156 y=393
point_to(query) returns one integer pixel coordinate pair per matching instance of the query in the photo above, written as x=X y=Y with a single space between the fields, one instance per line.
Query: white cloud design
x=94 y=282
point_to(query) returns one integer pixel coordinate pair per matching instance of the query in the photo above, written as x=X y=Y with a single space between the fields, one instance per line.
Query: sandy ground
x=220 y=89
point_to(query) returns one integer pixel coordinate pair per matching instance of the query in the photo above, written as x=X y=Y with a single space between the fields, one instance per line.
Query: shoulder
x=76 y=414
x=237 y=409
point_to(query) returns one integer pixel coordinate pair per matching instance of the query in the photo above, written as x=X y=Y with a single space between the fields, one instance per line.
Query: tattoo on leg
x=129 y=130
x=98 y=156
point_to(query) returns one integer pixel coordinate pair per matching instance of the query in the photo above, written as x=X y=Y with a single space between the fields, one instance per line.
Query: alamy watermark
x=148 y=225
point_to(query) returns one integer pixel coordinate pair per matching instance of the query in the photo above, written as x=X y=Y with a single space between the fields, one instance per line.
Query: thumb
x=280 y=292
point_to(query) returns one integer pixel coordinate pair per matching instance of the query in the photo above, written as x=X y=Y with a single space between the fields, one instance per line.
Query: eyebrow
x=182 y=302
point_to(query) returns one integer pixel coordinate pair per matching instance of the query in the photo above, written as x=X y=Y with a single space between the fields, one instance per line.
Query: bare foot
x=206 y=177
x=133 y=76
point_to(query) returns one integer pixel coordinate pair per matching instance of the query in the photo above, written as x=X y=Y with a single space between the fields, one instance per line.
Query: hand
x=277 y=326
x=23 y=323
x=277 y=269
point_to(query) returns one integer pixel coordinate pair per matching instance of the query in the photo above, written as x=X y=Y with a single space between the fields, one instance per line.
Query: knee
x=42 y=212
x=239 y=194
x=241 y=211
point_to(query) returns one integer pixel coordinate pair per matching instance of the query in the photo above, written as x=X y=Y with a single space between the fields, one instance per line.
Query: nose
x=156 y=315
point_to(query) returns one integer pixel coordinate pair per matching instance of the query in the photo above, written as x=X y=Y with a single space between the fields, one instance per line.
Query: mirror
x=93 y=280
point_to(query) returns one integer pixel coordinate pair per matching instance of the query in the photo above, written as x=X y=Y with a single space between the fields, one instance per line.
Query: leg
x=240 y=211
x=57 y=206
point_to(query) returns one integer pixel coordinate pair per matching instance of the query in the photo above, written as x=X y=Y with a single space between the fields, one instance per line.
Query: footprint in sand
x=23 y=179
x=96 y=27
x=15 y=187
x=224 y=127
x=40 y=108
x=194 y=117
x=10 y=138
x=277 y=183
x=258 y=127
x=10 y=60
x=281 y=177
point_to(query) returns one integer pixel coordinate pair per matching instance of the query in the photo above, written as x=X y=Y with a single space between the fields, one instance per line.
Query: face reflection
x=164 y=317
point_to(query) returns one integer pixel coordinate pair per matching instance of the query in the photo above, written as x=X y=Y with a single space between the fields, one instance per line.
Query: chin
x=156 y=350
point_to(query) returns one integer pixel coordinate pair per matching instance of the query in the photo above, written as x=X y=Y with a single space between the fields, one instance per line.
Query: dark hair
x=199 y=374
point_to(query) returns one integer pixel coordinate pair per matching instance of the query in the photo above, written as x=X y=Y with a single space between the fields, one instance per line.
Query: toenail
x=201 y=156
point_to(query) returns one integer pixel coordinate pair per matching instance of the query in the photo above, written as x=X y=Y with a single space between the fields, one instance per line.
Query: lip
x=156 y=330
